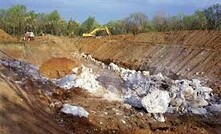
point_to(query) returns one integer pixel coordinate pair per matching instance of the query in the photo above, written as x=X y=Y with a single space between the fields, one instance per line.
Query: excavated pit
x=118 y=86
x=186 y=57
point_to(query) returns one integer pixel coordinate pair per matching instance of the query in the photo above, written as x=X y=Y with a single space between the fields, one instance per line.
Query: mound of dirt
x=58 y=67
x=5 y=37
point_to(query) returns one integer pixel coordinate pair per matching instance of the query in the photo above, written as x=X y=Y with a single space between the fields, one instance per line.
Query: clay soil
x=5 y=37
x=35 y=108
x=58 y=67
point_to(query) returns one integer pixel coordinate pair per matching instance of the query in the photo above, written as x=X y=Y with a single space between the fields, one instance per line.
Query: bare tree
x=136 y=23
x=159 y=21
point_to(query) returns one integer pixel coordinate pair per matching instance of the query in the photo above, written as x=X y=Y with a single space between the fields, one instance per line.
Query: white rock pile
x=159 y=94
x=89 y=58
x=86 y=80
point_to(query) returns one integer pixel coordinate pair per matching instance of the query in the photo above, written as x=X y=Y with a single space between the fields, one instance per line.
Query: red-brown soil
x=58 y=67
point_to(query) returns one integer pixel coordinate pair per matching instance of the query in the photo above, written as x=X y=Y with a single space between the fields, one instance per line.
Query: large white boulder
x=215 y=108
x=204 y=89
x=146 y=73
x=159 y=117
x=196 y=83
x=114 y=67
x=67 y=82
x=74 y=110
x=177 y=102
x=200 y=111
x=156 y=102
x=86 y=80
x=199 y=102
x=188 y=92
x=174 y=89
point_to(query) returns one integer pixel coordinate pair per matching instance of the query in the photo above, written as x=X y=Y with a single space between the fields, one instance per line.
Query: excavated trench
x=118 y=107
x=191 y=62
x=123 y=86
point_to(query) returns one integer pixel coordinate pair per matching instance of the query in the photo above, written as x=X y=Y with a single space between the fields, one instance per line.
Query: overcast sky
x=105 y=10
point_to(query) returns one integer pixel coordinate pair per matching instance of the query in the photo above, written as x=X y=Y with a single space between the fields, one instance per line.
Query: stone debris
x=67 y=82
x=114 y=67
x=146 y=73
x=200 y=111
x=215 y=108
x=86 y=80
x=23 y=69
x=134 y=101
x=74 y=110
x=157 y=94
x=159 y=117
x=156 y=101
x=88 y=57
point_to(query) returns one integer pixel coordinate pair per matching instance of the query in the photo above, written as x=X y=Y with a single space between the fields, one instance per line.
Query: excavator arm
x=93 y=33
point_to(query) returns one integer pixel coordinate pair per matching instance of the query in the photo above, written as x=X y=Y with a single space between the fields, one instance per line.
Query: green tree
x=53 y=22
x=213 y=15
x=116 y=27
x=201 y=20
x=30 y=21
x=3 y=15
x=149 y=26
x=72 y=27
x=196 y=21
x=88 y=25
x=41 y=23
x=54 y=16
x=16 y=19
x=189 y=22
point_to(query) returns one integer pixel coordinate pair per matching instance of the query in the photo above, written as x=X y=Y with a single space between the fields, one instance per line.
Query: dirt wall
x=188 y=53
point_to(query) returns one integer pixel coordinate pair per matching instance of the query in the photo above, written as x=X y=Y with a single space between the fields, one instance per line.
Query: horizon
x=105 y=11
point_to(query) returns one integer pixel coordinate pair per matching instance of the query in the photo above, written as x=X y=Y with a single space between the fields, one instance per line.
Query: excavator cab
x=28 y=36
x=101 y=31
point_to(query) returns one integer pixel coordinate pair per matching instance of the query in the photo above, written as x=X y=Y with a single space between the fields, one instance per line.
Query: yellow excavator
x=95 y=32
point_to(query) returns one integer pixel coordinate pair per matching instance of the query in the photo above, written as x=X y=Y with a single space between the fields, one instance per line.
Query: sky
x=106 y=10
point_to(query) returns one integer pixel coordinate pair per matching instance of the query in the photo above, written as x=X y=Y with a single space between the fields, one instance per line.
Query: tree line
x=17 y=20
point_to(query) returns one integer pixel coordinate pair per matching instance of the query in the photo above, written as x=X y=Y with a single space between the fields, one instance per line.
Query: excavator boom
x=93 y=33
